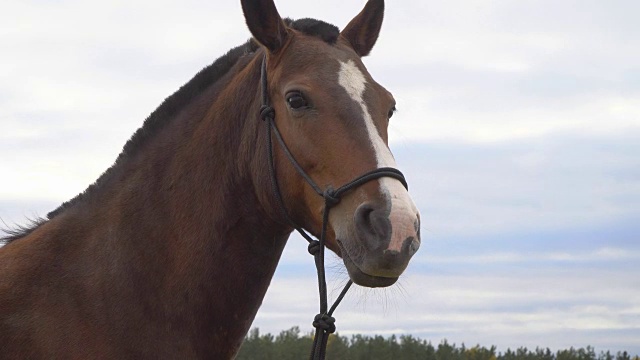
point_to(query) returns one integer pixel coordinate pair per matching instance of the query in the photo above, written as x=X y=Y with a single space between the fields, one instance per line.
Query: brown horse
x=170 y=252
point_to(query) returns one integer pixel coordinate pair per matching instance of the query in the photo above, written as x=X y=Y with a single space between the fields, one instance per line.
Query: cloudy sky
x=518 y=129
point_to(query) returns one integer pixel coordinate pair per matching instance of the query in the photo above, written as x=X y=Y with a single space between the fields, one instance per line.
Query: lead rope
x=324 y=322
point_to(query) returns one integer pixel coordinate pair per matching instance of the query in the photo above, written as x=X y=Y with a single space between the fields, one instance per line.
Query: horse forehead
x=360 y=88
x=307 y=55
x=352 y=79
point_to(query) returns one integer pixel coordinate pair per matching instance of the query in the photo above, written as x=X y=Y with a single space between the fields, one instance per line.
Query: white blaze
x=403 y=210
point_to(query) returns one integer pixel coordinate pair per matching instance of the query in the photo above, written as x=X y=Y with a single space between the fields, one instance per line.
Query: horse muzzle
x=384 y=240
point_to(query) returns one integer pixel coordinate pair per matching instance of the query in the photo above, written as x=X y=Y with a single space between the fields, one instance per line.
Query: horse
x=170 y=252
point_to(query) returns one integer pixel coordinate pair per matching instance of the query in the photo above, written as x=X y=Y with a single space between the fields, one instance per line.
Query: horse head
x=333 y=117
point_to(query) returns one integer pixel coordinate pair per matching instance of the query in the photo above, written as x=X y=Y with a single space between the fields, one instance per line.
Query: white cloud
x=602 y=255
x=529 y=308
x=544 y=183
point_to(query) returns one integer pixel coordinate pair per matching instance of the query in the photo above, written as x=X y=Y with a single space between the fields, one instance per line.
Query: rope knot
x=330 y=198
x=314 y=247
x=325 y=322
x=267 y=112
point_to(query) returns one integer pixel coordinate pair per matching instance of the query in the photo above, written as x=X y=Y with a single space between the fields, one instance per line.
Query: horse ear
x=362 y=32
x=265 y=23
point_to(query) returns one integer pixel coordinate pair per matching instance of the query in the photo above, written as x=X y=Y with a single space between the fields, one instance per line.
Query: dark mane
x=171 y=106
x=325 y=31
x=20 y=231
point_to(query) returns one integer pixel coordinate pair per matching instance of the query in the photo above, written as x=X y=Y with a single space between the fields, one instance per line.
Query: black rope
x=295 y=164
x=323 y=322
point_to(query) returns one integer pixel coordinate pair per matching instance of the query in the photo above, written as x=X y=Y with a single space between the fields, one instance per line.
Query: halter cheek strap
x=324 y=322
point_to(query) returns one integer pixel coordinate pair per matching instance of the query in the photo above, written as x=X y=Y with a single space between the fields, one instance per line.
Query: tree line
x=291 y=344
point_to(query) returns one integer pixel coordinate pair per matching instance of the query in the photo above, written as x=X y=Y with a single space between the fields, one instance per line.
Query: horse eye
x=390 y=114
x=296 y=101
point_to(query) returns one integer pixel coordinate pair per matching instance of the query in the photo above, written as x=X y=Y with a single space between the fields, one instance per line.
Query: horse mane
x=170 y=107
x=19 y=231
x=325 y=31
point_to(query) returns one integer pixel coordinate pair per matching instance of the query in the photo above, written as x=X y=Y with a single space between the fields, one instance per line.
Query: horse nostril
x=373 y=226
x=362 y=214
x=410 y=246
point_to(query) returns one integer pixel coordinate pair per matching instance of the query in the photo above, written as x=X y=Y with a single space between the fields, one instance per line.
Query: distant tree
x=623 y=356
x=358 y=347
x=479 y=353
x=567 y=354
x=383 y=349
x=587 y=353
x=508 y=355
x=544 y=354
x=291 y=344
x=256 y=346
x=447 y=351
x=416 y=349
x=522 y=353
x=606 y=356
x=338 y=347
x=394 y=347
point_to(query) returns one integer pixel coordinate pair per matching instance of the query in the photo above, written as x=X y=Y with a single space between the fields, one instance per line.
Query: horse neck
x=186 y=221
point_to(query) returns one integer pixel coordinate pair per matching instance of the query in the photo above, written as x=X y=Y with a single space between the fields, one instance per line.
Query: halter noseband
x=324 y=322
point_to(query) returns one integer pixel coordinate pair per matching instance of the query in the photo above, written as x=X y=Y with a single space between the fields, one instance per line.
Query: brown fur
x=171 y=254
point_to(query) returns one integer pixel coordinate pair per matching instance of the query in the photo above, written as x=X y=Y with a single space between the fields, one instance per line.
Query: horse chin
x=360 y=277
